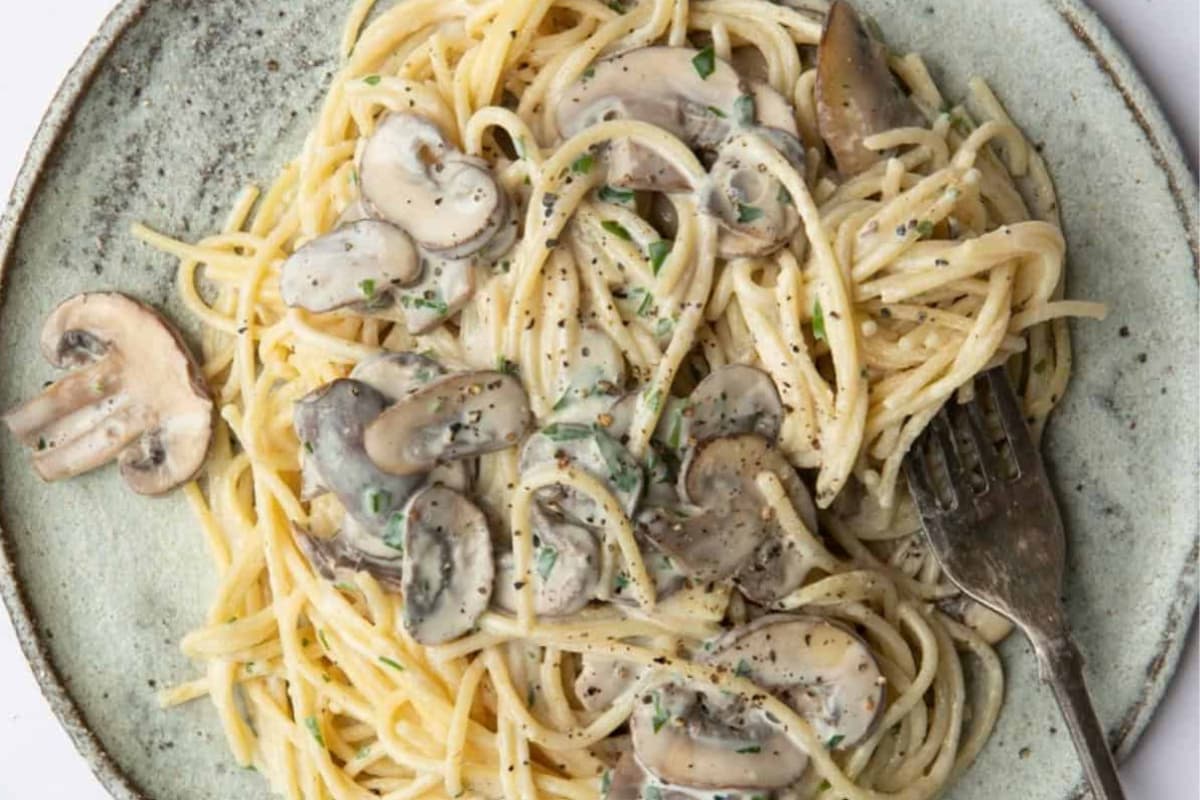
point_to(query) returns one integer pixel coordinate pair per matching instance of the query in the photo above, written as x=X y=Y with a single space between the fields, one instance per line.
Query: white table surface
x=38 y=43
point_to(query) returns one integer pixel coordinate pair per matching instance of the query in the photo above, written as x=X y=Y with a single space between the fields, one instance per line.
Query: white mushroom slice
x=991 y=627
x=458 y=416
x=667 y=578
x=411 y=176
x=772 y=110
x=729 y=530
x=732 y=399
x=592 y=450
x=360 y=264
x=857 y=96
x=352 y=550
x=817 y=666
x=692 y=95
x=602 y=680
x=135 y=394
x=329 y=423
x=397 y=375
x=447 y=565
x=445 y=287
x=756 y=212
x=596 y=369
x=700 y=737
x=566 y=568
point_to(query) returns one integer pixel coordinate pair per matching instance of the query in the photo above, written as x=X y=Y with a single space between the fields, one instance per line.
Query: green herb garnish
x=654 y=398
x=315 y=729
x=324 y=641
x=716 y=112
x=616 y=229
x=834 y=741
x=376 y=499
x=393 y=532
x=658 y=252
x=546 y=558
x=783 y=196
x=435 y=305
x=590 y=72
x=925 y=228
x=749 y=749
x=506 y=366
x=646 y=305
x=566 y=432
x=372 y=80
x=583 y=165
x=660 y=714
x=743 y=109
x=818 y=321
x=394 y=665
x=742 y=669
x=748 y=213
x=652 y=793
x=705 y=62
x=664 y=326
x=621 y=581
x=611 y=194
x=605 y=782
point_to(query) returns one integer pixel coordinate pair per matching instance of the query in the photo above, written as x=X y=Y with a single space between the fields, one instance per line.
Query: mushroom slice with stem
x=330 y=422
x=566 y=567
x=448 y=570
x=756 y=212
x=352 y=550
x=411 y=176
x=591 y=449
x=445 y=287
x=698 y=736
x=134 y=394
x=816 y=665
x=692 y=94
x=732 y=399
x=857 y=96
x=455 y=417
x=729 y=530
x=360 y=264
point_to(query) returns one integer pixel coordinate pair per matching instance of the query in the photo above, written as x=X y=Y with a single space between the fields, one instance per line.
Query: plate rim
x=1111 y=58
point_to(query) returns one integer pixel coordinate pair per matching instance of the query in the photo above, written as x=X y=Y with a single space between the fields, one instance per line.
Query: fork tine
x=956 y=471
x=920 y=485
x=969 y=418
x=1012 y=419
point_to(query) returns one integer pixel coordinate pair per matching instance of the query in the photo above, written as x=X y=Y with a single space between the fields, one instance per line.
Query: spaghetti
x=941 y=259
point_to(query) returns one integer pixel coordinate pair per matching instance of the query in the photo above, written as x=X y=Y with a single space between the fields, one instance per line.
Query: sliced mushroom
x=664 y=574
x=592 y=450
x=135 y=394
x=411 y=176
x=359 y=264
x=697 y=736
x=448 y=571
x=756 y=211
x=602 y=680
x=818 y=666
x=680 y=90
x=352 y=550
x=445 y=286
x=397 y=375
x=732 y=399
x=857 y=96
x=566 y=567
x=330 y=422
x=772 y=110
x=991 y=627
x=458 y=416
x=728 y=530
x=593 y=378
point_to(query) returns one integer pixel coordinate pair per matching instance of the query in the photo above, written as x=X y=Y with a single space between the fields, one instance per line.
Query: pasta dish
x=563 y=383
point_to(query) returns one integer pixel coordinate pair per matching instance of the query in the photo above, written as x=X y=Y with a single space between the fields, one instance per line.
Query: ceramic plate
x=176 y=104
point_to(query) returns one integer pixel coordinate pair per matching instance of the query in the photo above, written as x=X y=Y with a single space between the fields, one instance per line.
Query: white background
x=38 y=43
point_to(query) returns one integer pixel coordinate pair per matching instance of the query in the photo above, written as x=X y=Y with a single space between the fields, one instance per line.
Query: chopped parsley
x=436 y=305
x=925 y=228
x=41 y=443
x=315 y=729
x=376 y=499
x=783 y=196
x=664 y=326
x=624 y=476
x=748 y=213
x=372 y=80
x=308 y=447
x=393 y=664
x=583 y=165
x=519 y=146
x=676 y=430
x=660 y=714
x=743 y=109
x=716 y=112
x=605 y=782
x=590 y=72
x=566 y=432
x=1040 y=366
x=658 y=252
x=616 y=229
x=705 y=62
x=646 y=305
x=546 y=558
x=620 y=582
x=654 y=398
x=611 y=194
x=834 y=741
x=742 y=669
x=342 y=586
x=503 y=364
x=749 y=749
x=652 y=793
x=616 y=6
x=818 y=321
x=393 y=532
x=324 y=641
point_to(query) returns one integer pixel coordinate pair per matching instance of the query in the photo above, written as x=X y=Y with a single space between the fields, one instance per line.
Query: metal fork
x=996 y=531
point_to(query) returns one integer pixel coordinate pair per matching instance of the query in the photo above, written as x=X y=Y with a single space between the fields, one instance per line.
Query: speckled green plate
x=176 y=103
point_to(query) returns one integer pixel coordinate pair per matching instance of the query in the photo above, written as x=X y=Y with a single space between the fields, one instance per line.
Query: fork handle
x=1062 y=667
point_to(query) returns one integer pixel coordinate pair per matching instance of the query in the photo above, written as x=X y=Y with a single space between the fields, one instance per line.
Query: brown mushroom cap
x=732 y=399
x=454 y=417
x=135 y=394
x=857 y=96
